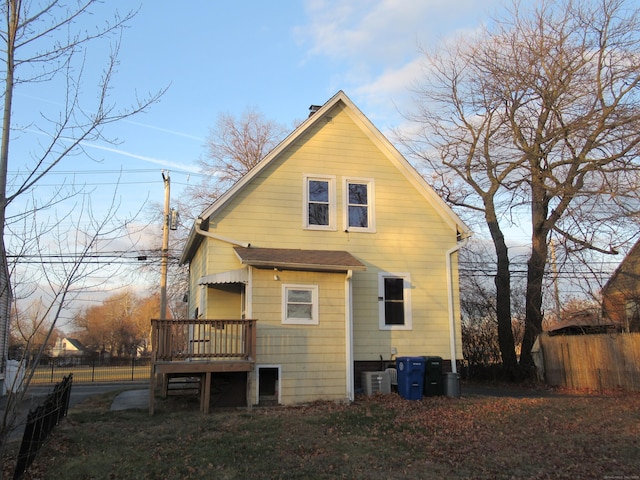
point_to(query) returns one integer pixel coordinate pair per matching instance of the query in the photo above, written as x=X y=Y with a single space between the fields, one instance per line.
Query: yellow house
x=339 y=250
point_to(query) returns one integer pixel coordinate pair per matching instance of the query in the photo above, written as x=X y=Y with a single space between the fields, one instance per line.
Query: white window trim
x=314 y=307
x=408 y=323
x=371 y=201
x=331 y=179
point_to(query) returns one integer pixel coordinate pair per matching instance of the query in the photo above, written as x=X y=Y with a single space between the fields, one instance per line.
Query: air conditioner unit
x=376 y=382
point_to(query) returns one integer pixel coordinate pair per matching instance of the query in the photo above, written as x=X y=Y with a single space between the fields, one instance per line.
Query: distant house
x=338 y=250
x=68 y=348
x=621 y=294
x=581 y=322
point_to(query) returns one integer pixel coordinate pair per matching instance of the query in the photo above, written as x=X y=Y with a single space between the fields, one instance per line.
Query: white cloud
x=392 y=82
x=377 y=44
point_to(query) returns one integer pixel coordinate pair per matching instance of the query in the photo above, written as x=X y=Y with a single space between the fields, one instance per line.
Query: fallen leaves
x=378 y=437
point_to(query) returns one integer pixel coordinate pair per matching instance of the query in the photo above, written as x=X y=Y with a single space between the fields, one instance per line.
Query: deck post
x=205 y=392
x=152 y=390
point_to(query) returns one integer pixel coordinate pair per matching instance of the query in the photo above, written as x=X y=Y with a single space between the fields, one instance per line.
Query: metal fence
x=93 y=371
x=40 y=422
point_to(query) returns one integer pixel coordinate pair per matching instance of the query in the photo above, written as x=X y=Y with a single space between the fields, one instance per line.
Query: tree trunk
x=535 y=275
x=503 y=294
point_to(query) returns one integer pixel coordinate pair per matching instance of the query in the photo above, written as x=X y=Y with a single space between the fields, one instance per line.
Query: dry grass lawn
x=382 y=437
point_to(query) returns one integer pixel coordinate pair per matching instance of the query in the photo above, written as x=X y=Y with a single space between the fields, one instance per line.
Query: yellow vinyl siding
x=410 y=236
x=312 y=357
x=224 y=302
x=196 y=271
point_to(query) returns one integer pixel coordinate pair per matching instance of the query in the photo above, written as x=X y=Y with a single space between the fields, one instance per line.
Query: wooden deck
x=198 y=348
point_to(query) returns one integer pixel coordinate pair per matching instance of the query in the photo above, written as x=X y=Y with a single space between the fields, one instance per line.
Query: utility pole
x=165 y=247
x=554 y=267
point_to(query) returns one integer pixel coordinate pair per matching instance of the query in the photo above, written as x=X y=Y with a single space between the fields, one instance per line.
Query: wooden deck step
x=183 y=386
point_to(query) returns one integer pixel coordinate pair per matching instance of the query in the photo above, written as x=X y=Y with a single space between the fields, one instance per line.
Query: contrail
x=144 y=125
x=164 y=163
x=166 y=130
x=156 y=161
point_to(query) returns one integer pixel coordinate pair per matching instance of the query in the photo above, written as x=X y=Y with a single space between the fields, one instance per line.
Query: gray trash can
x=452 y=385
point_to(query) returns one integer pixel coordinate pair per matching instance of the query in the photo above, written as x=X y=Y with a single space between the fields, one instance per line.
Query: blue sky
x=225 y=56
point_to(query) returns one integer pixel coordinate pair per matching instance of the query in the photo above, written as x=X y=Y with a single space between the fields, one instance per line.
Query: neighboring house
x=339 y=250
x=68 y=348
x=621 y=294
x=581 y=322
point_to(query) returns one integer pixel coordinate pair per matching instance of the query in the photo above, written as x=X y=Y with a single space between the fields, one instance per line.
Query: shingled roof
x=296 y=259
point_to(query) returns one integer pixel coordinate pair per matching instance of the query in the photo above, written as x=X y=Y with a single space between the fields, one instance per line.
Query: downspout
x=450 y=293
x=204 y=233
x=349 y=335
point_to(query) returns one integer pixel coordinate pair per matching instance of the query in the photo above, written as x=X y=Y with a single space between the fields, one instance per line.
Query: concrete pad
x=131 y=399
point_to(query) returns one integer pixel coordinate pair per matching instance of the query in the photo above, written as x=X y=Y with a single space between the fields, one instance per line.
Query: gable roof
x=296 y=259
x=396 y=158
x=74 y=342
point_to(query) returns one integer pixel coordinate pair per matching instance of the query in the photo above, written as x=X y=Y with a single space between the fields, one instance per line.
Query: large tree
x=234 y=146
x=45 y=45
x=119 y=326
x=538 y=117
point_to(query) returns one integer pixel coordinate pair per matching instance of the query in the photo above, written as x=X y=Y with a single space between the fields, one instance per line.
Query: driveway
x=79 y=393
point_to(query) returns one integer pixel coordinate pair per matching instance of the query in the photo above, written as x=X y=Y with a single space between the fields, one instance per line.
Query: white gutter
x=204 y=233
x=452 y=319
x=349 y=335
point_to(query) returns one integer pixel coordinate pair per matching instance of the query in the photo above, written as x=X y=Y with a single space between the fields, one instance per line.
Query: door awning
x=295 y=259
x=232 y=276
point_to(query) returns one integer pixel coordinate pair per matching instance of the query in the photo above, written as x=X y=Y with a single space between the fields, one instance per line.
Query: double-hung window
x=359 y=205
x=300 y=304
x=320 y=202
x=394 y=299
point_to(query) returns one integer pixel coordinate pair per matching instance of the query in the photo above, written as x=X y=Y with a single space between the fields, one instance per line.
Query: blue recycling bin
x=410 y=377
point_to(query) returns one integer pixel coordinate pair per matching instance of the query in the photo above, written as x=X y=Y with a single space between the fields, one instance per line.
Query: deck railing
x=203 y=339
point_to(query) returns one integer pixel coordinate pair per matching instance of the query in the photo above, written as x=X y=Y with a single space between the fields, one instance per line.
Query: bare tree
x=478 y=300
x=58 y=284
x=40 y=46
x=45 y=45
x=235 y=145
x=29 y=328
x=540 y=116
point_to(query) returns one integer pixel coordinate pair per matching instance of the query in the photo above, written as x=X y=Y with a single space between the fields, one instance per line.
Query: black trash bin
x=433 y=379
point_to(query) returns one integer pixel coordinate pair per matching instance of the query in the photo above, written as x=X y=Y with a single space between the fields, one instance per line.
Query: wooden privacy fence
x=594 y=362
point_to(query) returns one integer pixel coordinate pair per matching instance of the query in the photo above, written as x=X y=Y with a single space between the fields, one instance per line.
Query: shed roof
x=297 y=259
x=232 y=276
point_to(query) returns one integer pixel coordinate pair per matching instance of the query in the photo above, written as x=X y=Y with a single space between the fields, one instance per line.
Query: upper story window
x=320 y=202
x=359 y=205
